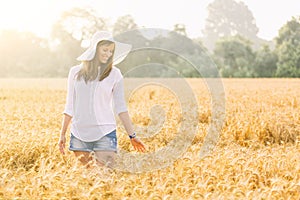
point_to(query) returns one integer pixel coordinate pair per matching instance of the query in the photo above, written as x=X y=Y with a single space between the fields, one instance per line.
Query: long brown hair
x=89 y=71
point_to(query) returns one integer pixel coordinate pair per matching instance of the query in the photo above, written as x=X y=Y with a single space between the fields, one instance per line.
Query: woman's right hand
x=62 y=144
x=138 y=145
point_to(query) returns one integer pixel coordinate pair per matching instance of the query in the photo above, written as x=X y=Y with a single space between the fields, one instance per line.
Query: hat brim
x=121 y=51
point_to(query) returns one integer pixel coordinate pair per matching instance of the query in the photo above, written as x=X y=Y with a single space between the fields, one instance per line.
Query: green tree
x=22 y=54
x=265 y=62
x=228 y=18
x=288 y=49
x=126 y=30
x=180 y=29
x=234 y=56
x=123 y=24
x=68 y=32
x=177 y=50
x=81 y=23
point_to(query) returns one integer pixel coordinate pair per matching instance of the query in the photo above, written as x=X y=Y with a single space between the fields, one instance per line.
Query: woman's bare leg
x=105 y=158
x=84 y=157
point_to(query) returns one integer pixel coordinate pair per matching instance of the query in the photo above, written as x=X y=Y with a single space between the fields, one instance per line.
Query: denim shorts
x=106 y=143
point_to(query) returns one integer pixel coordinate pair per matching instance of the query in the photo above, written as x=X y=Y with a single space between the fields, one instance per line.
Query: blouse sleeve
x=70 y=94
x=118 y=97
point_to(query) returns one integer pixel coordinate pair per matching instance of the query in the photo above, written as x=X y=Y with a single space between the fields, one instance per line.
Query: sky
x=38 y=16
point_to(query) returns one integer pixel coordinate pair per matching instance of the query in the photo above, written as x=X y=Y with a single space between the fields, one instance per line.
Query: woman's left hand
x=138 y=145
x=62 y=144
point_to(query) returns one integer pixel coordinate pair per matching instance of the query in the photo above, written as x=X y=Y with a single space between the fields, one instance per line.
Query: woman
x=95 y=92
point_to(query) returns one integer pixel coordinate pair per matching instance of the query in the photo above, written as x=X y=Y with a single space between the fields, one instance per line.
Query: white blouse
x=91 y=105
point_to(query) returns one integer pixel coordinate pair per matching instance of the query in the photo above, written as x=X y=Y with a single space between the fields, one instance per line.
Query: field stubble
x=257 y=156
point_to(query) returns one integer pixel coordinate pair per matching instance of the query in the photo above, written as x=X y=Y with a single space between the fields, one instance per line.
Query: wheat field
x=257 y=155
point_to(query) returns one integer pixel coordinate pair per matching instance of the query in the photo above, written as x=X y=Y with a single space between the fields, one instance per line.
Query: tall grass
x=257 y=156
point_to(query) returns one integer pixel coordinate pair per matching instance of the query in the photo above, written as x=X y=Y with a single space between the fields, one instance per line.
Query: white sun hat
x=121 y=49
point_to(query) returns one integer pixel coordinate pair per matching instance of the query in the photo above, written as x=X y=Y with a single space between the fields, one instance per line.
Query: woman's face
x=105 y=51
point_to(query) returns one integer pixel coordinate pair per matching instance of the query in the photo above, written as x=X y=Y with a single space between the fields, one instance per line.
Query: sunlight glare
x=29 y=15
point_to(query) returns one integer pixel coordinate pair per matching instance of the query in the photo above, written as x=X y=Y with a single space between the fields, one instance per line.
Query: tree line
x=229 y=43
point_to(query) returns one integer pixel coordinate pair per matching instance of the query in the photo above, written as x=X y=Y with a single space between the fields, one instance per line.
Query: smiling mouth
x=104 y=59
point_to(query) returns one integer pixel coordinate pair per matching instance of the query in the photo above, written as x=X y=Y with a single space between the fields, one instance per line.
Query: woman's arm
x=68 y=112
x=126 y=121
x=121 y=110
x=62 y=139
x=65 y=124
x=70 y=93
